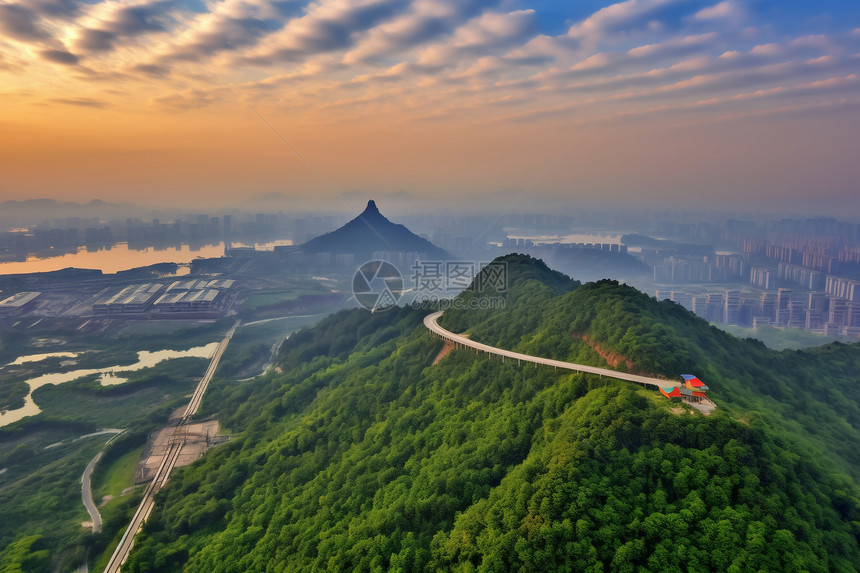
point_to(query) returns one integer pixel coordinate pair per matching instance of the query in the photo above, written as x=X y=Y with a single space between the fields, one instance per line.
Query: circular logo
x=377 y=285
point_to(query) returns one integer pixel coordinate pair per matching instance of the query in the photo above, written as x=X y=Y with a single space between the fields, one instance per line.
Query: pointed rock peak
x=369 y=232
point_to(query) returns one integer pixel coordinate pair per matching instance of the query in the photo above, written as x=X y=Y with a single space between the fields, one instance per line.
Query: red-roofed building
x=692 y=382
x=693 y=389
x=671 y=391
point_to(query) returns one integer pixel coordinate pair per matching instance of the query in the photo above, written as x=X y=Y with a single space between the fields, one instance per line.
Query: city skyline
x=641 y=102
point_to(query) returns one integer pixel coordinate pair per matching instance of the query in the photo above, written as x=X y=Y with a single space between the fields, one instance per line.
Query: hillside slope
x=811 y=393
x=363 y=455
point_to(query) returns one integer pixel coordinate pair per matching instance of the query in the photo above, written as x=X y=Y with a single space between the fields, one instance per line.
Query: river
x=108 y=376
x=120 y=257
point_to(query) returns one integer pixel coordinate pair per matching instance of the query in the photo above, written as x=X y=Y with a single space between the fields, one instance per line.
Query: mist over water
x=121 y=257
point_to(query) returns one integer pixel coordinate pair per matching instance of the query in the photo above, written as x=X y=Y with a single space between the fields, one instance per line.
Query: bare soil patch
x=706 y=406
x=612 y=358
x=196 y=439
x=446 y=349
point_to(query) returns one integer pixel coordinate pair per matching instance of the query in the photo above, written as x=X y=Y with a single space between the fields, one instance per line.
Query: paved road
x=86 y=485
x=430 y=321
x=264 y=320
x=85 y=566
x=167 y=463
x=194 y=404
x=87 y=493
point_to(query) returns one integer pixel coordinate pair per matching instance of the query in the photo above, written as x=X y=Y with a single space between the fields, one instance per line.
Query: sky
x=641 y=102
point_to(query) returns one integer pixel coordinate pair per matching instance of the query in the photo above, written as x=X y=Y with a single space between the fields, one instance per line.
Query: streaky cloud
x=82 y=102
x=59 y=57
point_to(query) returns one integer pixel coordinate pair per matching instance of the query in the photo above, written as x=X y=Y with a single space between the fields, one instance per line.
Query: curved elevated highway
x=430 y=321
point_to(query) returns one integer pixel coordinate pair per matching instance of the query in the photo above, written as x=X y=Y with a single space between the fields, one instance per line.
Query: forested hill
x=365 y=453
x=811 y=393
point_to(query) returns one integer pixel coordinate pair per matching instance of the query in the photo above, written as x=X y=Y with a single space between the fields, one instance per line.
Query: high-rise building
x=839 y=312
x=732 y=307
x=818 y=302
x=783 y=297
x=768 y=306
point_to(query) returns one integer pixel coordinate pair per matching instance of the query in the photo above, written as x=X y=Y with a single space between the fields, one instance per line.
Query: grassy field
x=48 y=501
x=271 y=297
x=161 y=327
x=149 y=396
x=60 y=336
x=118 y=476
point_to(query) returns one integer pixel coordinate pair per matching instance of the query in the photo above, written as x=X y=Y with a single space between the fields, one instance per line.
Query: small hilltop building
x=690 y=390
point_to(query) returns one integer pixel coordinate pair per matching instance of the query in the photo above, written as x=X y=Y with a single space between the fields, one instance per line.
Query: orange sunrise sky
x=172 y=102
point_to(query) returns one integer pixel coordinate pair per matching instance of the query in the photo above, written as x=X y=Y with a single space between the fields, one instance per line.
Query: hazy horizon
x=401 y=204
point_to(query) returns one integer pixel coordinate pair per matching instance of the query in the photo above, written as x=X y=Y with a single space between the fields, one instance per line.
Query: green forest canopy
x=364 y=455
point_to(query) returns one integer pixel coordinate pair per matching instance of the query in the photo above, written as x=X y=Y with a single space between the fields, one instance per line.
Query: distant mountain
x=31 y=211
x=370 y=232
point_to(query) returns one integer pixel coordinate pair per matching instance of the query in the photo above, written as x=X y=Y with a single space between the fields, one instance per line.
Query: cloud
x=327 y=26
x=481 y=36
x=233 y=26
x=496 y=29
x=396 y=73
x=82 y=102
x=486 y=66
x=152 y=69
x=21 y=23
x=5 y=65
x=59 y=57
x=190 y=99
x=219 y=35
x=56 y=8
x=615 y=63
x=122 y=22
x=675 y=47
x=625 y=18
x=422 y=22
x=541 y=50
x=90 y=40
x=729 y=10
x=761 y=77
x=24 y=20
x=420 y=57
x=596 y=63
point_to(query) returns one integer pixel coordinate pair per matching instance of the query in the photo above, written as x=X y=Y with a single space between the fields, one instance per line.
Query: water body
x=609 y=238
x=120 y=257
x=39 y=357
x=108 y=376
